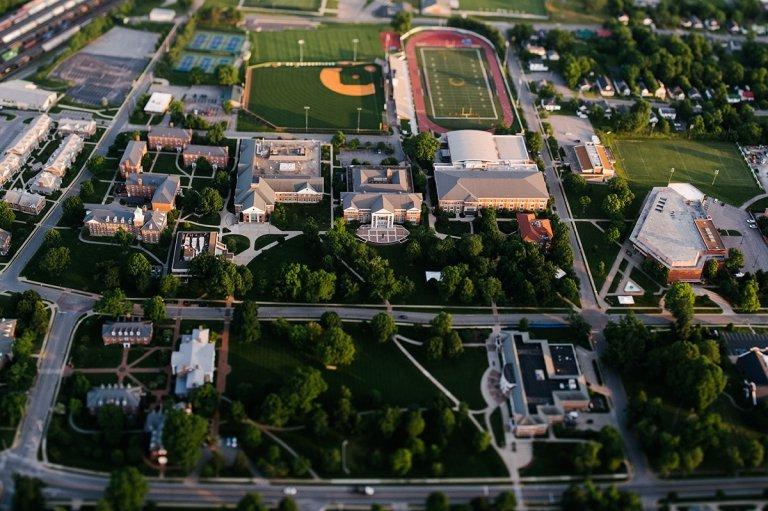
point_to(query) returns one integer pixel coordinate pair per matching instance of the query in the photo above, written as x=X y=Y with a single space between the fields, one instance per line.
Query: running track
x=442 y=37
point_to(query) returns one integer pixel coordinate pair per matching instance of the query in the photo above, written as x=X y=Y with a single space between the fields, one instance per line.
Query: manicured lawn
x=505 y=7
x=267 y=265
x=597 y=250
x=296 y=215
x=452 y=228
x=327 y=43
x=166 y=164
x=267 y=239
x=647 y=283
x=300 y=5
x=647 y=163
x=19 y=234
x=236 y=243
x=551 y=458
x=280 y=95
x=248 y=122
x=380 y=371
x=88 y=350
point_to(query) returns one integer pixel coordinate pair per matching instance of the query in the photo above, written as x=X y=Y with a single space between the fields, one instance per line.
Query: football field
x=457 y=84
x=649 y=162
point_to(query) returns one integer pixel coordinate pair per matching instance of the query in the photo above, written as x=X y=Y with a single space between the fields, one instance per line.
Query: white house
x=194 y=363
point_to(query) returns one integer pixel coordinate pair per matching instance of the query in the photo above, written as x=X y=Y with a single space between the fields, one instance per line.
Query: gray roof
x=206 y=150
x=754 y=365
x=124 y=396
x=129 y=329
x=381 y=201
x=134 y=151
x=166 y=186
x=195 y=361
x=378 y=178
x=162 y=131
x=472 y=185
x=481 y=146
x=116 y=213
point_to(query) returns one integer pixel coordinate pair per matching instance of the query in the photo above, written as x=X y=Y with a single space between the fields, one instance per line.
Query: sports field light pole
x=301 y=50
x=358 y=119
x=354 y=51
x=671 y=171
x=717 y=171
x=306 y=118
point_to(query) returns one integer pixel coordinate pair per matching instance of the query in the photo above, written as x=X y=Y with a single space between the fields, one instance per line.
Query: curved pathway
x=754 y=199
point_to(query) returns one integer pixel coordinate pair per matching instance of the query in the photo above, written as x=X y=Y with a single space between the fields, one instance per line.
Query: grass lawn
x=380 y=372
x=550 y=458
x=248 y=122
x=263 y=241
x=759 y=206
x=267 y=265
x=301 y=5
x=597 y=250
x=641 y=279
x=88 y=350
x=166 y=164
x=80 y=273
x=19 y=234
x=505 y=7
x=295 y=215
x=497 y=425
x=326 y=43
x=236 y=243
x=647 y=163
x=280 y=94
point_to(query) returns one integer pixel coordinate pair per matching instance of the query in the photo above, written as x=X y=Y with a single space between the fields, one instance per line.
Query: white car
x=290 y=491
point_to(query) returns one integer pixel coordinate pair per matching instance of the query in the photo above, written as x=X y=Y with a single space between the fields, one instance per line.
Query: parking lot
x=569 y=129
x=750 y=243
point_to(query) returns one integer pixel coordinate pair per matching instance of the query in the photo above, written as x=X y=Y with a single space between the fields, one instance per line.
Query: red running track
x=448 y=38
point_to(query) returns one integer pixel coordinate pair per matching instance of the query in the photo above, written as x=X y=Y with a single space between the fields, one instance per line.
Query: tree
x=215 y=134
x=196 y=75
x=679 y=300
x=585 y=201
x=336 y=347
x=226 y=75
x=735 y=260
x=612 y=235
x=27 y=493
x=582 y=329
x=126 y=490
x=287 y=504
x=586 y=458
x=415 y=424
x=55 y=260
x=422 y=148
x=246 y=321
x=183 y=435
x=613 y=206
x=593 y=498
x=505 y=501
x=383 y=327
x=339 y=140
x=481 y=441
x=168 y=286
x=533 y=141
x=137 y=269
x=52 y=238
x=97 y=163
x=251 y=502
x=112 y=423
x=7 y=216
x=73 y=210
x=86 y=189
x=113 y=303
x=401 y=22
x=437 y=501
x=402 y=461
x=154 y=309
x=711 y=268
x=124 y=238
x=749 y=300
x=205 y=400
x=388 y=421
x=210 y=201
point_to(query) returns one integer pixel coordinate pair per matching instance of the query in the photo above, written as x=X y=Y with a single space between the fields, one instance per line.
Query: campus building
x=594 y=161
x=45 y=183
x=130 y=163
x=169 y=138
x=675 y=230
x=475 y=149
x=273 y=171
x=29 y=139
x=25 y=202
x=158 y=103
x=214 y=155
x=25 y=96
x=467 y=191
x=534 y=230
x=127 y=333
x=160 y=189
x=82 y=127
x=194 y=363
x=5 y=242
x=542 y=382
x=64 y=156
x=190 y=244
x=124 y=396
x=7 y=337
x=104 y=220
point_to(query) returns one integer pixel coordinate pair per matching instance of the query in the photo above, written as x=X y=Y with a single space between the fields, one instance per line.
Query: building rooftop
x=534 y=230
x=115 y=213
x=593 y=158
x=471 y=185
x=24 y=92
x=195 y=361
x=123 y=396
x=207 y=150
x=378 y=178
x=22 y=199
x=381 y=201
x=134 y=152
x=475 y=148
x=158 y=103
x=287 y=158
x=674 y=228
x=129 y=329
x=162 y=131
x=190 y=244
x=7 y=336
x=754 y=365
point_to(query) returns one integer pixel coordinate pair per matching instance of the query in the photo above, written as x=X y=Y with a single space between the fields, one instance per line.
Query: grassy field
x=299 y=5
x=460 y=93
x=647 y=163
x=505 y=7
x=280 y=94
x=325 y=43
x=597 y=250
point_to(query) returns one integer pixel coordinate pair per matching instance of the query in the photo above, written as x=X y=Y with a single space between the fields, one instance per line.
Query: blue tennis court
x=205 y=40
x=208 y=63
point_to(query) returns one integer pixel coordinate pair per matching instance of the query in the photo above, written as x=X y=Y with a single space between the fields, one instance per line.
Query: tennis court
x=221 y=42
x=207 y=62
x=649 y=162
x=457 y=84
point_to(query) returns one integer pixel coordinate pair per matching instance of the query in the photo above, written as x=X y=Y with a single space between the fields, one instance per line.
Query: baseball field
x=318 y=97
x=326 y=43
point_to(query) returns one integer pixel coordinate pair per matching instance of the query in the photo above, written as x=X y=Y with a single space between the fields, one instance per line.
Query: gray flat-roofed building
x=542 y=381
x=127 y=333
x=479 y=149
x=124 y=396
x=190 y=244
x=25 y=96
x=379 y=178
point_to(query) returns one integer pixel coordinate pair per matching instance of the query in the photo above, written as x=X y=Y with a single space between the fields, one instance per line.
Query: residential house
x=158 y=103
x=124 y=396
x=605 y=86
x=535 y=49
x=550 y=105
x=160 y=189
x=746 y=95
x=104 y=220
x=45 y=183
x=82 y=127
x=134 y=152
x=127 y=333
x=694 y=94
x=622 y=88
x=10 y=164
x=25 y=202
x=467 y=191
x=216 y=156
x=190 y=244
x=594 y=160
x=195 y=361
x=585 y=85
x=7 y=337
x=667 y=112
x=553 y=56
x=534 y=230
x=169 y=138
x=5 y=242
x=660 y=92
x=64 y=155
x=676 y=93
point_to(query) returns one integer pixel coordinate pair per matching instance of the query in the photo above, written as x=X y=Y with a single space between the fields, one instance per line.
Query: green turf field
x=505 y=7
x=325 y=43
x=299 y=5
x=459 y=89
x=647 y=163
x=279 y=95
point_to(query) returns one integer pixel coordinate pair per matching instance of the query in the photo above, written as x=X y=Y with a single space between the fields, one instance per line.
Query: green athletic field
x=299 y=5
x=505 y=7
x=647 y=163
x=458 y=87
x=279 y=94
x=322 y=44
